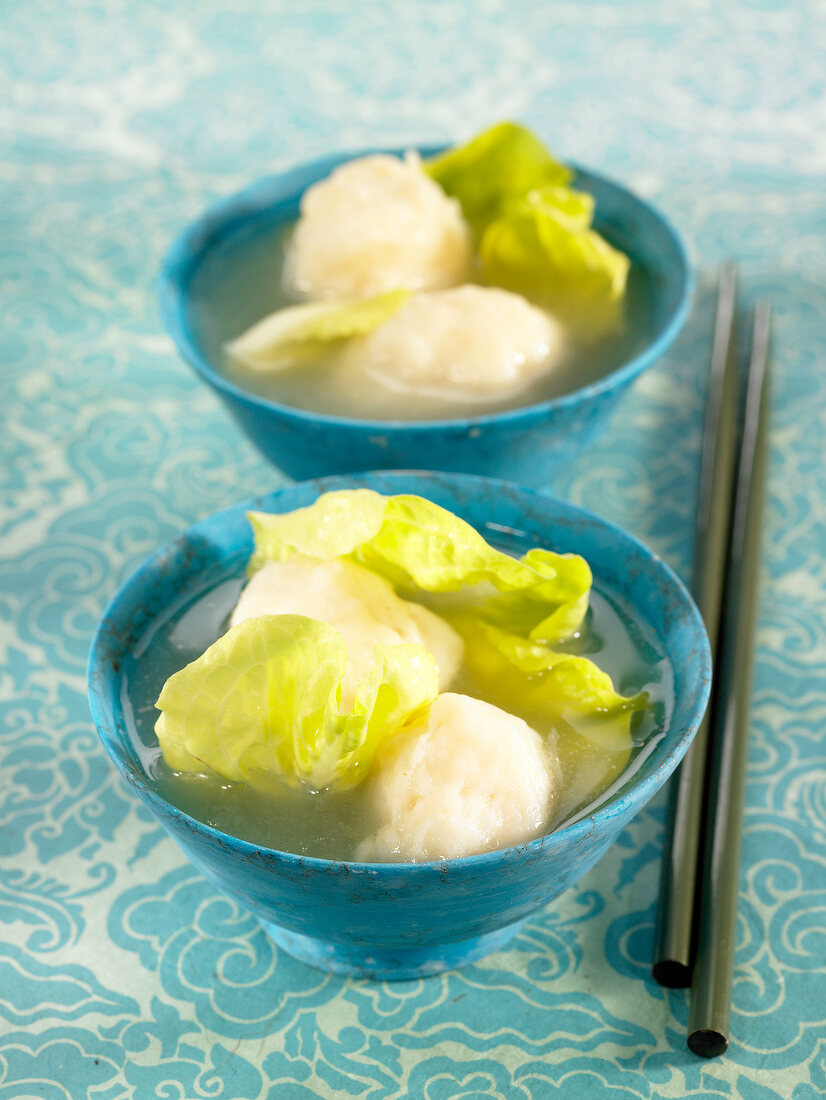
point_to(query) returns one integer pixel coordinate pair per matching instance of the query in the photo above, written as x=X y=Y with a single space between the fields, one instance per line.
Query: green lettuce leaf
x=535 y=233
x=576 y=683
x=332 y=527
x=262 y=705
x=281 y=338
x=560 y=695
x=545 y=240
x=418 y=546
x=503 y=162
x=572 y=209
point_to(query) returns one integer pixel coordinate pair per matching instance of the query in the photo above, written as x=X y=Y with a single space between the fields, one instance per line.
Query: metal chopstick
x=717 y=924
x=672 y=960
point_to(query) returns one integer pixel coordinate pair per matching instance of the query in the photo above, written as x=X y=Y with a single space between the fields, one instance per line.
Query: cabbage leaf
x=545 y=240
x=421 y=547
x=261 y=705
x=276 y=341
x=332 y=527
x=559 y=694
x=574 y=682
x=534 y=232
x=503 y=162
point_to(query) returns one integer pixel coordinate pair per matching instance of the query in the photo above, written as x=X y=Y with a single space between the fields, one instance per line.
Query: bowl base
x=389 y=964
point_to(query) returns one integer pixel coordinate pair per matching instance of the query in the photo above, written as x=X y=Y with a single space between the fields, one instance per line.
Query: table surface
x=122 y=972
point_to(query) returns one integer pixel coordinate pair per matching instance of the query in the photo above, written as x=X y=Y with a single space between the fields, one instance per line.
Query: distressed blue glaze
x=526 y=445
x=396 y=963
x=404 y=920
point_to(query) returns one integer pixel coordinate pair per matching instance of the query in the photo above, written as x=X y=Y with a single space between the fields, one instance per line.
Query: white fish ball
x=374 y=225
x=362 y=606
x=470 y=342
x=466 y=778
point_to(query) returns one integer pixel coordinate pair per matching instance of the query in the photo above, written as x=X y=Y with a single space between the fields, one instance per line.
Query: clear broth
x=330 y=824
x=240 y=282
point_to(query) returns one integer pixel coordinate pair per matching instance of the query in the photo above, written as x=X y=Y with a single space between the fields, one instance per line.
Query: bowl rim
x=102 y=662
x=178 y=265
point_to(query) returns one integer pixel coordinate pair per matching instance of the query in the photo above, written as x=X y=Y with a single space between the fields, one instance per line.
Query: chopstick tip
x=671 y=974
x=707 y=1042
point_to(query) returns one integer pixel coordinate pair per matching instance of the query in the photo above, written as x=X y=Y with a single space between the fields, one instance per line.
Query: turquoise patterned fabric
x=122 y=972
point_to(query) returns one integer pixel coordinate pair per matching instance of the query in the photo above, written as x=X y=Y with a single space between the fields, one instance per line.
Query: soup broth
x=240 y=282
x=332 y=824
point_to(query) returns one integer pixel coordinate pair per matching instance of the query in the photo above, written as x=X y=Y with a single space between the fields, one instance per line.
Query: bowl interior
x=215 y=551
x=223 y=274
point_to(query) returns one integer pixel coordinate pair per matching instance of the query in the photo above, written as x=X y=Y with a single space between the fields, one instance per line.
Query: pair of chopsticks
x=697 y=915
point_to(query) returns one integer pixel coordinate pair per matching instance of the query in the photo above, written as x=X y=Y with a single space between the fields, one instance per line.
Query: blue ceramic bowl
x=403 y=920
x=525 y=444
